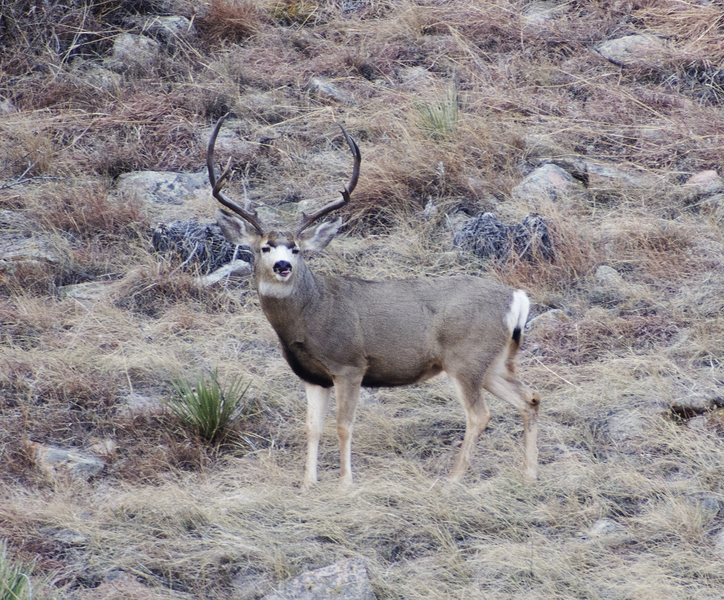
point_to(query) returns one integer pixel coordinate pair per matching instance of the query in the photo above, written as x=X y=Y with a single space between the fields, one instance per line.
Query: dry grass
x=173 y=517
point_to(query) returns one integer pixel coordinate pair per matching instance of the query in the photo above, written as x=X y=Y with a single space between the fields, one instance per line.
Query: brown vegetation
x=187 y=519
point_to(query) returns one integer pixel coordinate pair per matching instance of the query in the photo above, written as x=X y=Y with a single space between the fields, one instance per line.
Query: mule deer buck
x=343 y=333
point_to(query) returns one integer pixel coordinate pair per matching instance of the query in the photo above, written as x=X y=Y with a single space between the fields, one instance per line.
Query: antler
x=307 y=220
x=217 y=184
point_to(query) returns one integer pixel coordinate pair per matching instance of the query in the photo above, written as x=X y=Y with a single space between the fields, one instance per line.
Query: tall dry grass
x=452 y=105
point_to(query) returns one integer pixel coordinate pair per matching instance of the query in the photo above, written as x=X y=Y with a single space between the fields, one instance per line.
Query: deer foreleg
x=317 y=401
x=347 y=390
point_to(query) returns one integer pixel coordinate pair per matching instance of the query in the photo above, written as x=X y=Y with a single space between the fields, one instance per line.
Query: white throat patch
x=274 y=284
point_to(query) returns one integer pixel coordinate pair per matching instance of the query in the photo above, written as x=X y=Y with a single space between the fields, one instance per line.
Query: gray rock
x=230 y=143
x=134 y=53
x=170 y=30
x=609 y=173
x=100 y=78
x=705 y=183
x=606 y=275
x=605 y=527
x=547 y=182
x=719 y=542
x=52 y=461
x=91 y=291
x=345 y=580
x=625 y=426
x=169 y=196
x=236 y=267
x=327 y=90
x=634 y=50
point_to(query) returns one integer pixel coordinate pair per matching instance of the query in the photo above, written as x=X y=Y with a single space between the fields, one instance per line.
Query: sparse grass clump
x=208 y=408
x=452 y=104
x=230 y=21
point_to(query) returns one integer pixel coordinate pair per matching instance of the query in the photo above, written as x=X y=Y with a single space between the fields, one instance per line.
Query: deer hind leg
x=477 y=417
x=347 y=390
x=500 y=380
x=317 y=402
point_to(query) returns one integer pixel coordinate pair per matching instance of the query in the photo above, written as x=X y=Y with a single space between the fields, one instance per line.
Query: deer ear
x=235 y=230
x=318 y=238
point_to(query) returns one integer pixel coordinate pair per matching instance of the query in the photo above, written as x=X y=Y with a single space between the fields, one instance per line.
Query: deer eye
x=266 y=249
x=295 y=250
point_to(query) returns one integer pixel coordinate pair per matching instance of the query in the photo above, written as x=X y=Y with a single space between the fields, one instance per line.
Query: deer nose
x=282 y=267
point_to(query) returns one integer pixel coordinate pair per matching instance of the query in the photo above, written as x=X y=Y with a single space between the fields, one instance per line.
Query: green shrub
x=439 y=119
x=209 y=409
x=14 y=582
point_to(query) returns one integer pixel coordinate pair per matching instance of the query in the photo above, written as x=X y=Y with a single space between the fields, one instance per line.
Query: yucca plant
x=14 y=583
x=208 y=408
x=440 y=119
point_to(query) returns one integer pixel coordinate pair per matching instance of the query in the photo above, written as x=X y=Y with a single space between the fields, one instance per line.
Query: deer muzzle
x=283 y=268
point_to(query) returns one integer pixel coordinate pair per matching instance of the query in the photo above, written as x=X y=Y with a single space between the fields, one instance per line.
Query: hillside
x=602 y=120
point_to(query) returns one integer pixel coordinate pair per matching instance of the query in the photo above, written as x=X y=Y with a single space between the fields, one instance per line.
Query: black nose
x=282 y=267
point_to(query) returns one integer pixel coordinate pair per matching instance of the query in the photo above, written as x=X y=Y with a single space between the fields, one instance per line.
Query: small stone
x=604 y=527
x=135 y=52
x=606 y=275
x=547 y=182
x=634 y=50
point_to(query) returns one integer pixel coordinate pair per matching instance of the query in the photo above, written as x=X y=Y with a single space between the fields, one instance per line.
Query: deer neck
x=284 y=304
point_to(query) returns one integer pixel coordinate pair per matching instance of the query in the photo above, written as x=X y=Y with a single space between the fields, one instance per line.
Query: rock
x=170 y=30
x=327 y=90
x=20 y=242
x=236 y=267
x=606 y=275
x=100 y=78
x=707 y=503
x=200 y=246
x=169 y=196
x=550 y=317
x=345 y=580
x=540 y=13
x=430 y=210
x=487 y=237
x=609 y=173
x=230 y=143
x=134 y=53
x=634 y=51
x=52 y=461
x=719 y=542
x=88 y=292
x=625 y=426
x=6 y=106
x=604 y=527
x=706 y=191
x=547 y=182
x=705 y=182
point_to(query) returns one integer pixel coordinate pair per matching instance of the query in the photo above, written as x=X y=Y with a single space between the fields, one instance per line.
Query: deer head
x=278 y=259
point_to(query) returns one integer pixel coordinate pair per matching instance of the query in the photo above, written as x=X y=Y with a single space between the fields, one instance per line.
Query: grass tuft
x=208 y=408
x=14 y=581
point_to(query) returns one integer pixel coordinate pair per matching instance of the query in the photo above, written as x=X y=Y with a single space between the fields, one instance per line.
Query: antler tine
x=307 y=220
x=217 y=184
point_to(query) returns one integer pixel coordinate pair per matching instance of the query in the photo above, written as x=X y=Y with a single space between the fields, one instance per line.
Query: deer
x=342 y=333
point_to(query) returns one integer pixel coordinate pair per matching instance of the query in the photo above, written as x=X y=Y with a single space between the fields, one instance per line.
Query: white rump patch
x=518 y=313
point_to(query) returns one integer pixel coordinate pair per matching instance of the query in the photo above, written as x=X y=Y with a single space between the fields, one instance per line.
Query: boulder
x=345 y=580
